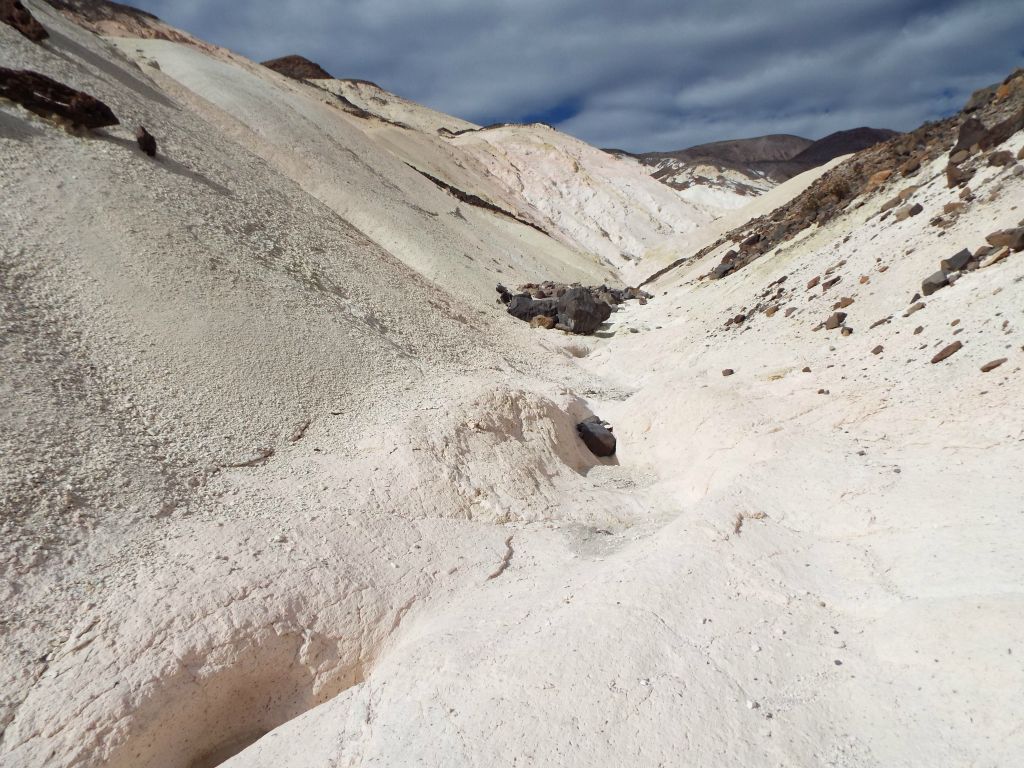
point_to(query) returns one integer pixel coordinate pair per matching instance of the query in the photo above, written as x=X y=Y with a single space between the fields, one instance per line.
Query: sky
x=642 y=75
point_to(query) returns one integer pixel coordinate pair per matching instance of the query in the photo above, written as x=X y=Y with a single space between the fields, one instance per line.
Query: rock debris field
x=283 y=484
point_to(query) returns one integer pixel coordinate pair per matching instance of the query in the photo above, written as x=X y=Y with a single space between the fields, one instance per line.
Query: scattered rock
x=728 y=371
x=917 y=307
x=806 y=369
x=597 y=436
x=835 y=320
x=954 y=207
x=789 y=311
x=995 y=257
x=946 y=351
x=907 y=211
x=934 y=282
x=846 y=331
x=542 y=321
x=146 y=141
x=1009 y=238
x=956 y=262
x=878 y=350
x=1001 y=158
x=972 y=131
x=829 y=283
x=843 y=303
x=16 y=15
x=864 y=280
x=813 y=282
x=992 y=365
x=879 y=178
x=46 y=97
x=959 y=156
x=955 y=176
x=911 y=166
x=918 y=330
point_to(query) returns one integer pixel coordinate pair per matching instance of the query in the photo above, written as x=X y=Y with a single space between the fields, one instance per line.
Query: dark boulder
x=504 y=294
x=956 y=262
x=16 y=15
x=526 y=308
x=46 y=97
x=933 y=282
x=597 y=436
x=146 y=141
x=972 y=131
x=579 y=311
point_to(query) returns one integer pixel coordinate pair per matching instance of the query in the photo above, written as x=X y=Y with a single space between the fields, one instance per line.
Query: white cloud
x=649 y=74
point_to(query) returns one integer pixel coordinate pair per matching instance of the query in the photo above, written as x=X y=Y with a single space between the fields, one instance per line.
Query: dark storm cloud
x=643 y=74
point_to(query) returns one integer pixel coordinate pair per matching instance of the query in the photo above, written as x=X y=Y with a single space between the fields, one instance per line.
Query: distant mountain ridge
x=749 y=167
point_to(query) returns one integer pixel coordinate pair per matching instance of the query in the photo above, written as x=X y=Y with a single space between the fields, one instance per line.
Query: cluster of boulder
x=998 y=246
x=991 y=116
x=572 y=307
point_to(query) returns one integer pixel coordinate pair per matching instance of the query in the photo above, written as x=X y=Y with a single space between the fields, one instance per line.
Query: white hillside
x=376 y=100
x=609 y=205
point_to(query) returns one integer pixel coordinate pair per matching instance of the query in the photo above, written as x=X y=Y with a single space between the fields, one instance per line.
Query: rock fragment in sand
x=728 y=371
x=908 y=210
x=1001 y=158
x=878 y=350
x=16 y=15
x=995 y=257
x=146 y=141
x=915 y=307
x=597 y=436
x=542 y=321
x=829 y=283
x=813 y=282
x=956 y=175
x=934 y=282
x=1009 y=238
x=835 y=320
x=46 y=97
x=993 y=364
x=946 y=351
x=956 y=262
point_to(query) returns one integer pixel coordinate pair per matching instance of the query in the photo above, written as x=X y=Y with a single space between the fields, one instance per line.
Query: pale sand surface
x=275 y=465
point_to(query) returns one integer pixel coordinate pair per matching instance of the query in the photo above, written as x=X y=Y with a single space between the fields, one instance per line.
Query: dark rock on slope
x=597 y=436
x=14 y=14
x=298 y=68
x=990 y=121
x=46 y=97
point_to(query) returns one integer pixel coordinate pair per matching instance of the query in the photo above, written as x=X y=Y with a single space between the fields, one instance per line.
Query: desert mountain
x=728 y=173
x=286 y=483
x=298 y=68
